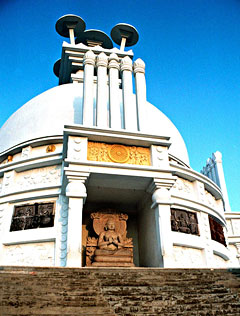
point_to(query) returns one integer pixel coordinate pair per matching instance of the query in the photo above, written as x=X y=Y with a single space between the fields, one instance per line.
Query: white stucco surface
x=46 y=114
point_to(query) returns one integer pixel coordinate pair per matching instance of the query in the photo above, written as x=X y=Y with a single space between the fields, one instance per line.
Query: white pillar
x=161 y=204
x=217 y=158
x=130 y=113
x=140 y=83
x=76 y=192
x=102 y=91
x=89 y=62
x=115 y=114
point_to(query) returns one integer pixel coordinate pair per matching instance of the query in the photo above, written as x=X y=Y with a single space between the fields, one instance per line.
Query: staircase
x=118 y=292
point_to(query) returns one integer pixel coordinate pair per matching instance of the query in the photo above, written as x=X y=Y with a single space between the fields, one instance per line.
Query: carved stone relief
x=210 y=199
x=188 y=257
x=217 y=233
x=26 y=152
x=111 y=247
x=38 y=178
x=236 y=227
x=118 y=153
x=33 y=216
x=8 y=182
x=182 y=186
x=33 y=254
x=184 y=222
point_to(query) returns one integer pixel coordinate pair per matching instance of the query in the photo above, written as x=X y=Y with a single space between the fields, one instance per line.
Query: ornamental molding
x=118 y=153
x=38 y=178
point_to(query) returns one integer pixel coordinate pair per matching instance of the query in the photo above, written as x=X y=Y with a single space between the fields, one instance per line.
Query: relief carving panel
x=33 y=216
x=217 y=233
x=184 y=222
x=119 y=153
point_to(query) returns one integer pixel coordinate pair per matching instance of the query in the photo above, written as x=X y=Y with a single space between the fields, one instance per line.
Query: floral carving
x=118 y=153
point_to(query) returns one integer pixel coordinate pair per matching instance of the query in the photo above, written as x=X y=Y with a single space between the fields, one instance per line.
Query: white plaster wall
x=184 y=257
x=219 y=262
x=234 y=260
x=1 y=182
x=33 y=254
x=236 y=226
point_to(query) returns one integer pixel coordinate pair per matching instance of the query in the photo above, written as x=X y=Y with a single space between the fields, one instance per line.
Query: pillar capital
x=76 y=188
x=89 y=58
x=113 y=61
x=139 y=66
x=160 y=189
x=126 y=64
x=102 y=60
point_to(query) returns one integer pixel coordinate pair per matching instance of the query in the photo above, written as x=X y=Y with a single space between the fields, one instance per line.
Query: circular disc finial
x=70 y=21
x=56 y=67
x=127 y=31
x=94 y=38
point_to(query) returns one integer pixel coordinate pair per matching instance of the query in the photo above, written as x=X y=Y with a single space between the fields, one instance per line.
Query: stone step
x=118 y=292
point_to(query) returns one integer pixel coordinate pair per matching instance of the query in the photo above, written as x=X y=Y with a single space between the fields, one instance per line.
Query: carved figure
x=217 y=233
x=184 y=222
x=112 y=248
x=109 y=239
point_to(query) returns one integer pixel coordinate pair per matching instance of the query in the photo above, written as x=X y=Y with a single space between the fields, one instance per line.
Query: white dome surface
x=46 y=114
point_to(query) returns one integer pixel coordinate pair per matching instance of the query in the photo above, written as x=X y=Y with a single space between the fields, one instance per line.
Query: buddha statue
x=112 y=248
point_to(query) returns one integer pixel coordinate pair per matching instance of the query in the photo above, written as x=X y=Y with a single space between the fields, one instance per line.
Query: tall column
x=102 y=98
x=162 y=205
x=140 y=83
x=217 y=158
x=115 y=114
x=76 y=192
x=89 y=62
x=130 y=113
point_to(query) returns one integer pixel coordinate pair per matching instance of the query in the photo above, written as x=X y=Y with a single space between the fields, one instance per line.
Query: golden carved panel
x=119 y=153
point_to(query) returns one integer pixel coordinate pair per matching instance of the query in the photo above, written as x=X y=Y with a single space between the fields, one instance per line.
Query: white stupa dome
x=46 y=114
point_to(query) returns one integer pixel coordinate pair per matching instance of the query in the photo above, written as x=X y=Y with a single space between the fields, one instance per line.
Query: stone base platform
x=118 y=291
x=113 y=264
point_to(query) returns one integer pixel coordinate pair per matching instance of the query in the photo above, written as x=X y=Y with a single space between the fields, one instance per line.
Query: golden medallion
x=118 y=153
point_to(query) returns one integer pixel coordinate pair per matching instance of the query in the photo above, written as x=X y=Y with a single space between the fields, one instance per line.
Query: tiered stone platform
x=118 y=291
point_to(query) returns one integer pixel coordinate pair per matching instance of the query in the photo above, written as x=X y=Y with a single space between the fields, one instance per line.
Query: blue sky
x=192 y=53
